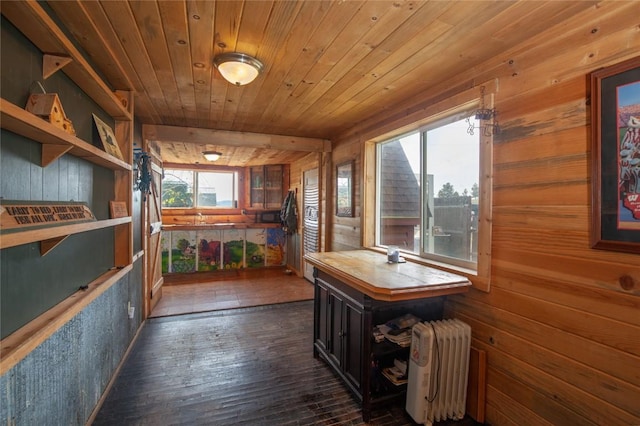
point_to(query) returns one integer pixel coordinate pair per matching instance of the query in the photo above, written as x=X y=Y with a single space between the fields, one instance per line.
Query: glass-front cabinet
x=266 y=189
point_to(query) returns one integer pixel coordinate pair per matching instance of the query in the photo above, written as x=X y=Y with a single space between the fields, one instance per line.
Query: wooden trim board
x=477 y=384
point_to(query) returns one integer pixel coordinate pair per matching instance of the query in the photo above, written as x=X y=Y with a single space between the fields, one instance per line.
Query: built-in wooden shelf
x=34 y=22
x=61 y=54
x=52 y=233
x=55 y=141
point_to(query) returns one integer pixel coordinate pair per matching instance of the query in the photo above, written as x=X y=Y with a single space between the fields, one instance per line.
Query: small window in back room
x=197 y=189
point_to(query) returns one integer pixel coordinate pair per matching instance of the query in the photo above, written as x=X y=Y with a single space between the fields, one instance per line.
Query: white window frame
x=457 y=104
x=420 y=132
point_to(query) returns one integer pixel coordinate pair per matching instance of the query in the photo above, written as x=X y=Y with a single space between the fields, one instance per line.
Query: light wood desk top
x=368 y=272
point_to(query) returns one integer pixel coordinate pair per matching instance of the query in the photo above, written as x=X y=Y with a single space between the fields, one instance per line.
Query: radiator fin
x=438 y=371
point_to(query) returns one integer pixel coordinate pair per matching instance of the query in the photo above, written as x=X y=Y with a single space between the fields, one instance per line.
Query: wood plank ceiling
x=328 y=64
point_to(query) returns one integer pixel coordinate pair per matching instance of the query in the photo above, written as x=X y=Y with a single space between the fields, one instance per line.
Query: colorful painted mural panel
x=165 y=243
x=233 y=248
x=209 y=250
x=183 y=251
x=276 y=247
x=255 y=247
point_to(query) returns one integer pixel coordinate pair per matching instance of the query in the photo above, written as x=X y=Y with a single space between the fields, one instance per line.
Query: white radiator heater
x=438 y=371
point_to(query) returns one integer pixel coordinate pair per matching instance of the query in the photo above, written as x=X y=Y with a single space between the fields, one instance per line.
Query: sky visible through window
x=453 y=155
x=222 y=184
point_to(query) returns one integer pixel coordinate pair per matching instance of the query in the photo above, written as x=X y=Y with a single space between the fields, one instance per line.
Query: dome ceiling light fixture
x=238 y=68
x=212 y=155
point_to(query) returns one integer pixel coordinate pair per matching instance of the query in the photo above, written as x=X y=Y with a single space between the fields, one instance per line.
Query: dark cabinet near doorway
x=339 y=331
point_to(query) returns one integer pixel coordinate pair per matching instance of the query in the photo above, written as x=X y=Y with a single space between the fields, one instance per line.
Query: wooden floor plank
x=245 y=366
x=241 y=366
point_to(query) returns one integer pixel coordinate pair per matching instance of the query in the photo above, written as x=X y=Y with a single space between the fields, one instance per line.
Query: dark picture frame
x=615 y=149
x=344 y=189
x=107 y=137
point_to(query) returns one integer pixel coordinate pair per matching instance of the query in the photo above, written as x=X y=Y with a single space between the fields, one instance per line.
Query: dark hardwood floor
x=243 y=366
x=252 y=366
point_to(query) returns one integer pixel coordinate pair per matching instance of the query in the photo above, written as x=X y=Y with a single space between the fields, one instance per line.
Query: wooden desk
x=369 y=272
x=357 y=290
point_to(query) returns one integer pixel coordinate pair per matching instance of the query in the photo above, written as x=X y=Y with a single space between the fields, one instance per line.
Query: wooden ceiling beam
x=228 y=138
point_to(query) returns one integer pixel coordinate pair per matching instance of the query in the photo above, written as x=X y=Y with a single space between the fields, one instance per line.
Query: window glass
x=427 y=192
x=177 y=188
x=192 y=189
x=399 y=217
x=216 y=189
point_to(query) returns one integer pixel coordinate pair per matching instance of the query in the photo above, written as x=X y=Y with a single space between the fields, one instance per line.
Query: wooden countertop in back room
x=369 y=272
x=195 y=227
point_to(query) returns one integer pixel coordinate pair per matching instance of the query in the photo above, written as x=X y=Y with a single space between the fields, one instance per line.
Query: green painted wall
x=61 y=380
x=29 y=283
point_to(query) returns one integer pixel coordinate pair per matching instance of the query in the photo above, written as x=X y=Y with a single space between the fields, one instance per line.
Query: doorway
x=152 y=230
x=310 y=229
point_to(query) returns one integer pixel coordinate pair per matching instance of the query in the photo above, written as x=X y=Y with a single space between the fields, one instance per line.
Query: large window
x=200 y=189
x=427 y=192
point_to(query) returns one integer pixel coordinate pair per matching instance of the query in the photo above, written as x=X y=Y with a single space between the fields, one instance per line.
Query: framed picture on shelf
x=344 y=189
x=118 y=209
x=108 y=139
x=615 y=124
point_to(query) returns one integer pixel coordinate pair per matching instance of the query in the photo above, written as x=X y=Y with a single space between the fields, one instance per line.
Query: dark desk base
x=343 y=324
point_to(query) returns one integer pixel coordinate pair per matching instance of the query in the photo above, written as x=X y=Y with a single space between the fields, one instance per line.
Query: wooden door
x=310 y=212
x=152 y=229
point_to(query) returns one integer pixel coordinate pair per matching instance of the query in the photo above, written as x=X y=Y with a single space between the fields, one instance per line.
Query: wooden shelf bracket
x=51 y=153
x=52 y=63
x=47 y=245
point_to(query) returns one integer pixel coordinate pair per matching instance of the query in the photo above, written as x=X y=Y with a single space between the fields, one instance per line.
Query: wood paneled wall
x=345 y=231
x=560 y=332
